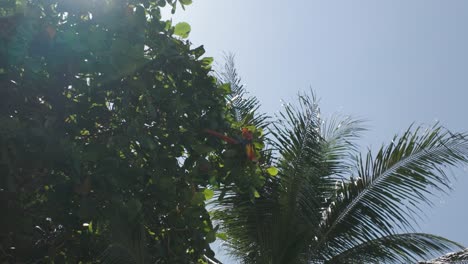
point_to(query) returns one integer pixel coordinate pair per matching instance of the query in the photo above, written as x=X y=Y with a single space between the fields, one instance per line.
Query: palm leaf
x=398 y=248
x=305 y=176
x=245 y=108
x=313 y=155
x=401 y=176
x=460 y=257
x=340 y=136
x=339 y=151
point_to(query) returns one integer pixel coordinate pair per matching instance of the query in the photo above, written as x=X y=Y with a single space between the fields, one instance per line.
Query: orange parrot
x=246 y=140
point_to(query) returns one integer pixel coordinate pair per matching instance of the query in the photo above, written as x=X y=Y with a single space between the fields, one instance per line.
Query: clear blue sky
x=390 y=62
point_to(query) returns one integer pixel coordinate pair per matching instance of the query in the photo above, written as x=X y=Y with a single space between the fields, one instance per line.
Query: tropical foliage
x=103 y=154
x=114 y=134
x=328 y=204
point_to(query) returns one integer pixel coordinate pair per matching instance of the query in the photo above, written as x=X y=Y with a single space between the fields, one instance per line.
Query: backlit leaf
x=182 y=29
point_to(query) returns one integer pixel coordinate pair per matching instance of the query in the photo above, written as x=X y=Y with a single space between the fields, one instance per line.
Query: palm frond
x=299 y=144
x=245 y=108
x=340 y=147
x=297 y=131
x=459 y=257
x=339 y=151
x=248 y=224
x=313 y=155
x=390 y=188
x=397 y=248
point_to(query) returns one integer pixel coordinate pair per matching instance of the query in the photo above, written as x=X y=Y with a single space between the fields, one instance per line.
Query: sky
x=392 y=63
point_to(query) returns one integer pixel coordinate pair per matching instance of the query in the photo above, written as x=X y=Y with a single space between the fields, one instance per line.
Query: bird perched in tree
x=246 y=140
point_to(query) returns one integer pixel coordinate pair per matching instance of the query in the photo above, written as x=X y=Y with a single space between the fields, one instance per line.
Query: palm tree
x=328 y=204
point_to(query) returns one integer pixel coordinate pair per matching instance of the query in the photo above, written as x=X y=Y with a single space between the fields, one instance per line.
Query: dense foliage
x=103 y=154
x=329 y=204
x=114 y=134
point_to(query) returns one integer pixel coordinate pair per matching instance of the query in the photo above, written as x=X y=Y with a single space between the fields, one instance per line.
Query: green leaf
x=208 y=194
x=256 y=194
x=226 y=87
x=182 y=29
x=168 y=24
x=162 y=3
x=222 y=236
x=84 y=132
x=198 y=52
x=185 y=2
x=207 y=61
x=272 y=171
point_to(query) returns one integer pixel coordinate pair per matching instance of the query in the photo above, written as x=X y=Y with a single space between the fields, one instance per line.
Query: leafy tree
x=103 y=150
x=328 y=204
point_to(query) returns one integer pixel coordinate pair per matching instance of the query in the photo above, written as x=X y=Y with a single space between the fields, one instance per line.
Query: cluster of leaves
x=102 y=151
